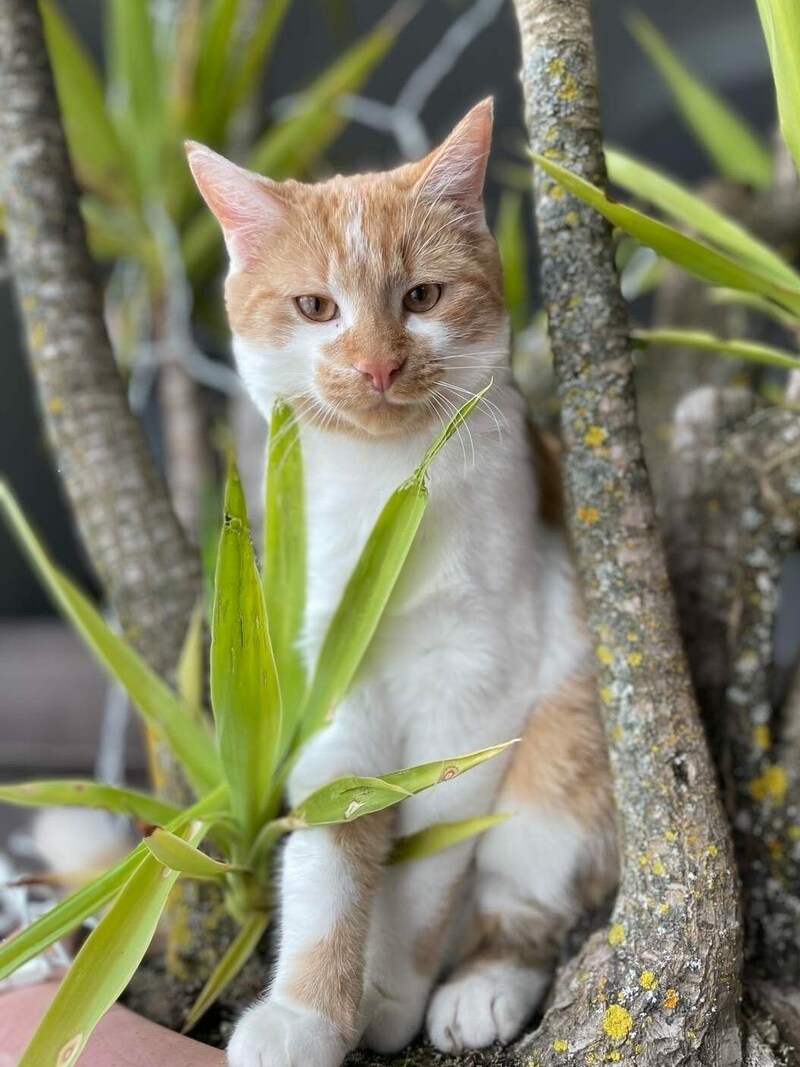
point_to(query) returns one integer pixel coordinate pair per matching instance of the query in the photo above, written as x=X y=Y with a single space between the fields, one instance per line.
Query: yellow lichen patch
x=604 y=655
x=556 y=192
x=769 y=785
x=575 y=300
x=761 y=736
x=794 y=832
x=572 y=218
x=644 y=859
x=559 y=1045
x=594 y=436
x=606 y=694
x=616 y=934
x=670 y=835
x=658 y=868
x=36 y=335
x=663 y=908
x=55 y=404
x=712 y=850
x=613 y=1055
x=632 y=636
x=616 y=732
x=647 y=980
x=671 y=999
x=617 y=1022
x=555 y=66
x=587 y=514
x=569 y=88
x=634 y=658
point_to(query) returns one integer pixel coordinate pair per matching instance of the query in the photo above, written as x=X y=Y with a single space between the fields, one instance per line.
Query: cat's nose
x=380 y=374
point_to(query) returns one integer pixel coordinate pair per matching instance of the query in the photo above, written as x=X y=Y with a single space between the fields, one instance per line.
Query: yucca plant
x=265 y=709
x=740 y=268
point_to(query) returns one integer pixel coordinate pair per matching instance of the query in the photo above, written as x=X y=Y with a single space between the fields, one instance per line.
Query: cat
x=375 y=304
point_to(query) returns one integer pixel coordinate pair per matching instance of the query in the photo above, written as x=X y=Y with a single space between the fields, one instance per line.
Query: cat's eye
x=317 y=308
x=422 y=297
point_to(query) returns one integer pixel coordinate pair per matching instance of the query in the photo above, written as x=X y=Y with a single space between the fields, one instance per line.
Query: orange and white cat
x=374 y=302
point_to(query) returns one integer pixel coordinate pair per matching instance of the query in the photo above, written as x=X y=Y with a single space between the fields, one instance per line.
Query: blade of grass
x=178 y=855
x=284 y=560
x=190 y=674
x=96 y=152
x=352 y=797
x=78 y=793
x=234 y=958
x=685 y=206
x=370 y=586
x=244 y=687
x=755 y=303
x=104 y=965
x=753 y=351
x=731 y=144
x=440 y=836
x=189 y=741
x=780 y=21
x=694 y=256
x=510 y=236
x=74 y=909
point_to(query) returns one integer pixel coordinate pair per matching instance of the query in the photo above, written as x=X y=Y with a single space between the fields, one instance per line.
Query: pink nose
x=381 y=374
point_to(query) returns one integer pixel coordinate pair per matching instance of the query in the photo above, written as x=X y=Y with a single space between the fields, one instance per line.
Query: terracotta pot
x=122 y=1039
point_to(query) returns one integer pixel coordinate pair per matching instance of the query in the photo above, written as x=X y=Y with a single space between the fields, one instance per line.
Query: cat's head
x=373 y=302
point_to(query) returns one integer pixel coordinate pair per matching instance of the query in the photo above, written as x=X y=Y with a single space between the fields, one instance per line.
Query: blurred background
x=326 y=87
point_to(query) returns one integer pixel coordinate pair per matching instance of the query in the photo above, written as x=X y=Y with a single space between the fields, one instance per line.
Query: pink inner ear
x=458 y=166
x=243 y=203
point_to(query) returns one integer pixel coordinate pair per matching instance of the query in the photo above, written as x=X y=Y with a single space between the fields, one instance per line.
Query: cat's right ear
x=244 y=204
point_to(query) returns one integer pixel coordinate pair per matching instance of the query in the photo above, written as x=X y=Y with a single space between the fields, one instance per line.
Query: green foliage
x=237 y=774
x=780 y=21
x=704 y=341
x=732 y=145
x=163 y=85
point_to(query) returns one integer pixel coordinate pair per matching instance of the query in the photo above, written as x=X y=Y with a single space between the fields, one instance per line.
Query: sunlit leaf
x=190 y=675
x=732 y=145
x=351 y=797
x=509 y=233
x=190 y=742
x=753 y=351
x=78 y=793
x=244 y=687
x=676 y=200
x=753 y=302
x=177 y=854
x=780 y=21
x=95 y=149
x=440 y=836
x=693 y=255
x=233 y=959
x=284 y=561
x=104 y=965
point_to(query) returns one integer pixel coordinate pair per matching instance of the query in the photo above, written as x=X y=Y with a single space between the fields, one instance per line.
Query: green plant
x=264 y=711
x=741 y=268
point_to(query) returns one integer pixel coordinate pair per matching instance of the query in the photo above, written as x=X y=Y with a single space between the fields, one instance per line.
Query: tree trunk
x=121 y=507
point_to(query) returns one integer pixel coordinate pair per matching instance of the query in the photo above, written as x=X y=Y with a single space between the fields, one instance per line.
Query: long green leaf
x=352 y=797
x=685 y=206
x=753 y=351
x=190 y=676
x=88 y=900
x=440 y=836
x=95 y=149
x=284 y=561
x=78 y=793
x=292 y=145
x=136 y=97
x=178 y=855
x=694 y=256
x=753 y=302
x=206 y=119
x=189 y=741
x=103 y=967
x=780 y=21
x=511 y=240
x=258 y=46
x=244 y=686
x=370 y=586
x=731 y=144
x=233 y=959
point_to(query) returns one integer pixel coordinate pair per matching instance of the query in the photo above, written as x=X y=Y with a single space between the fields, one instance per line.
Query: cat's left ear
x=457 y=168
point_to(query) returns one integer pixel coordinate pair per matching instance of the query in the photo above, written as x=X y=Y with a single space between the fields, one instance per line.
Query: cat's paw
x=393 y=1020
x=479 y=1007
x=271 y=1034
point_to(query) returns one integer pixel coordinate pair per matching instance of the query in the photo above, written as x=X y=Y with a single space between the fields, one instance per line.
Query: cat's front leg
x=414 y=910
x=310 y=1016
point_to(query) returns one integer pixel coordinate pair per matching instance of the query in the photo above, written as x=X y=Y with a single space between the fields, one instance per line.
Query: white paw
x=393 y=1020
x=484 y=1006
x=271 y=1034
